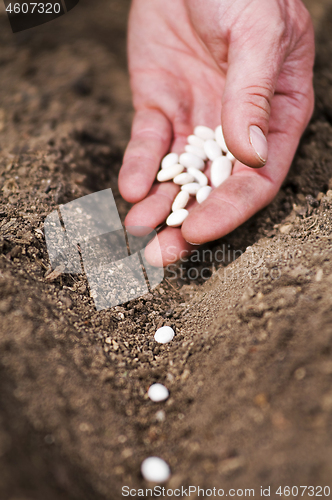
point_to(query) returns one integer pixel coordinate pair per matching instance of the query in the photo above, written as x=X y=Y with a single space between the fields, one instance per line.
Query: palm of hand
x=174 y=72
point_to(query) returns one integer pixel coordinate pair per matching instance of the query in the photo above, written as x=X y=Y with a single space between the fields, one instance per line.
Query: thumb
x=254 y=67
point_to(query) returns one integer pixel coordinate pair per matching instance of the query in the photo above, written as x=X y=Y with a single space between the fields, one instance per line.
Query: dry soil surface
x=250 y=368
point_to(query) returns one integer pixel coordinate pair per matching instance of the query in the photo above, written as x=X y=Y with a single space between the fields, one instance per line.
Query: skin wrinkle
x=155 y=109
x=292 y=14
x=295 y=101
x=286 y=38
x=244 y=172
x=241 y=35
x=273 y=130
x=150 y=135
x=203 y=58
x=207 y=45
x=297 y=98
x=227 y=202
x=191 y=52
x=158 y=195
x=179 y=137
x=287 y=86
x=275 y=39
x=274 y=58
x=299 y=32
x=139 y=157
x=257 y=92
x=299 y=44
x=170 y=116
x=239 y=23
x=165 y=196
x=209 y=65
x=206 y=63
x=257 y=105
x=152 y=72
x=130 y=156
x=180 y=120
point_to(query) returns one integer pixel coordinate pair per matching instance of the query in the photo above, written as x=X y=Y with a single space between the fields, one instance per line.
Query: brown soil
x=250 y=368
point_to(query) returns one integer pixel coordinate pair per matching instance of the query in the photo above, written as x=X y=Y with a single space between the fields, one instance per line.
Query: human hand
x=198 y=62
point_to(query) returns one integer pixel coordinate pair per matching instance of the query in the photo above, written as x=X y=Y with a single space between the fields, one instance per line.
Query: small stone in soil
x=160 y=416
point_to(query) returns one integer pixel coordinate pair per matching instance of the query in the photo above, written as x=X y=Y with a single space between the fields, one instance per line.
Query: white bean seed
x=191 y=188
x=212 y=149
x=155 y=469
x=221 y=169
x=231 y=157
x=203 y=132
x=193 y=140
x=199 y=176
x=204 y=144
x=180 y=201
x=166 y=174
x=165 y=333
x=184 y=178
x=196 y=151
x=175 y=219
x=158 y=392
x=191 y=160
x=169 y=160
x=220 y=139
x=203 y=193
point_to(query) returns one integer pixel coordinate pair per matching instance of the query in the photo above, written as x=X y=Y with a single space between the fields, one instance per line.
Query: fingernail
x=258 y=142
x=195 y=244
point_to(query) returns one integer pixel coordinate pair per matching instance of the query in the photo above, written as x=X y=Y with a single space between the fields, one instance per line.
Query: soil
x=250 y=367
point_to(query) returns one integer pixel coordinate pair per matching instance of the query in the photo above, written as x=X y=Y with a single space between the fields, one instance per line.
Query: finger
x=227 y=207
x=172 y=245
x=179 y=143
x=150 y=141
x=255 y=59
x=248 y=190
x=155 y=208
x=153 y=211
